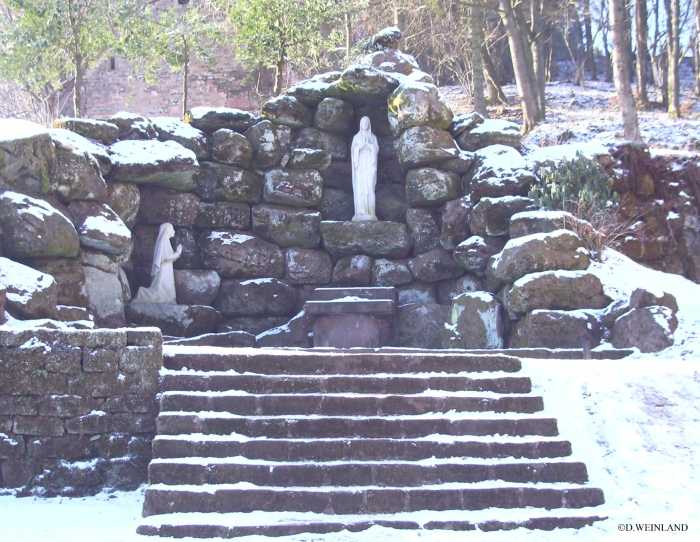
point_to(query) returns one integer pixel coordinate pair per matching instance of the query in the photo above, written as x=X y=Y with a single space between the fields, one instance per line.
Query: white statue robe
x=364 y=151
x=162 y=288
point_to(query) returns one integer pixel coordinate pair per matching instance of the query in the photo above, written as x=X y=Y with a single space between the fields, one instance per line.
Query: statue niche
x=364 y=152
x=162 y=288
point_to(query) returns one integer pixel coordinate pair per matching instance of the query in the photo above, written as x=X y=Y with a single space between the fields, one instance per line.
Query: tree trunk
x=642 y=36
x=496 y=93
x=537 y=30
x=185 y=86
x=78 y=63
x=673 y=15
x=476 y=39
x=590 y=54
x=622 y=70
x=606 y=48
x=521 y=67
x=279 y=75
x=696 y=6
x=348 y=36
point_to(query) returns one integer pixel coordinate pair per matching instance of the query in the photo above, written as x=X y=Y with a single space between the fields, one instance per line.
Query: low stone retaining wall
x=77 y=409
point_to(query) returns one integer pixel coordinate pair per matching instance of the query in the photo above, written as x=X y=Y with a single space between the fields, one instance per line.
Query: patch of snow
x=28 y=205
x=136 y=152
x=11 y=129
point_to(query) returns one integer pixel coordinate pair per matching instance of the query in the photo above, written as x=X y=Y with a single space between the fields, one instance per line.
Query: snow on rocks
x=210 y=119
x=236 y=255
x=33 y=228
x=490 y=132
x=100 y=131
x=415 y=103
x=174 y=129
x=542 y=221
x=133 y=126
x=100 y=228
x=29 y=293
x=491 y=216
x=650 y=329
x=477 y=321
x=556 y=329
x=163 y=163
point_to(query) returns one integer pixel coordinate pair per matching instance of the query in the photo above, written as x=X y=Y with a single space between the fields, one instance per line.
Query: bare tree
x=642 y=36
x=673 y=48
x=622 y=69
x=524 y=76
x=476 y=39
x=696 y=7
x=590 y=53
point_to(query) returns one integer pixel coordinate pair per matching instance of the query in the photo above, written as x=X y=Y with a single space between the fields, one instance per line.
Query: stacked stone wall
x=77 y=409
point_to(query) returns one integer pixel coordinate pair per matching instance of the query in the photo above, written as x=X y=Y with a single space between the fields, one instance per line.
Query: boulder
x=448 y=290
x=174 y=320
x=308 y=159
x=353 y=271
x=308 y=266
x=477 y=321
x=461 y=164
x=424 y=229
x=334 y=115
x=100 y=228
x=417 y=293
x=229 y=147
x=465 y=122
x=133 y=126
x=173 y=129
x=269 y=143
x=393 y=61
x=210 y=119
x=297 y=188
x=337 y=205
x=455 y=222
x=162 y=163
x=313 y=138
x=252 y=324
x=473 y=253
x=223 y=214
x=556 y=329
x=500 y=170
x=560 y=249
x=69 y=276
x=647 y=297
x=28 y=293
x=229 y=183
x=423 y=146
x=430 y=187
x=377 y=239
x=196 y=286
x=293 y=333
x=313 y=90
x=491 y=216
x=97 y=130
x=390 y=272
x=555 y=290
x=417 y=104
x=287 y=110
x=239 y=255
x=33 y=228
x=27 y=156
x=287 y=227
x=256 y=297
x=391 y=203
x=649 y=329
x=338 y=175
x=497 y=187
x=432 y=331
x=529 y=222
x=125 y=200
x=490 y=132
x=163 y=205
x=78 y=168
x=434 y=265
x=363 y=85
x=105 y=297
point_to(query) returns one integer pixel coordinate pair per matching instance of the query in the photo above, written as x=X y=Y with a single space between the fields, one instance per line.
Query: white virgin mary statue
x=162 y=289
x=364 y=153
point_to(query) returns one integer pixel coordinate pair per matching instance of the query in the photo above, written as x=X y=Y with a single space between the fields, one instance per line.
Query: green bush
x=580 y=186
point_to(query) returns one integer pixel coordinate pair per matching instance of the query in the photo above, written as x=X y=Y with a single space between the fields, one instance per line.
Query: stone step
x=305 y=362
x=208 y=470
x=342 y=405
x=357 y=449
x=223 y=498
x=238 y=525
x=173 y=423
x=361 y=292
x=406 y=384
x=350 y=306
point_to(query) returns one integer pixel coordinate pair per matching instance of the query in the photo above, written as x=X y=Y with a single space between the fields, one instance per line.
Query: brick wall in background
x=77 y=409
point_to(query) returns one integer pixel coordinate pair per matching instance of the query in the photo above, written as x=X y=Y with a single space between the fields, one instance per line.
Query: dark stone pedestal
x=352 y=331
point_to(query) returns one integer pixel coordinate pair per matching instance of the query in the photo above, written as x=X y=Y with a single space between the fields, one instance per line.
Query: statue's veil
x=163 y=247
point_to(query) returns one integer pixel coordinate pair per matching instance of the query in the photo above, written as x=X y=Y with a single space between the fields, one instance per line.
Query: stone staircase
x=277 y=442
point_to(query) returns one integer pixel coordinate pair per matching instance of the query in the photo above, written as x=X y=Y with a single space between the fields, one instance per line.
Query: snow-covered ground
x=635 y=423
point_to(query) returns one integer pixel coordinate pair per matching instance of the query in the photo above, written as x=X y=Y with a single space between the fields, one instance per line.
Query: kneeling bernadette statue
x=162 y=288
x=364 y=152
